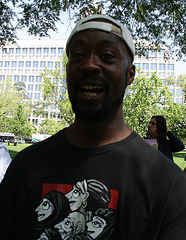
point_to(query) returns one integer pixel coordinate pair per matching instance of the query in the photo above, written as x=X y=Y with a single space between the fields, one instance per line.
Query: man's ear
x=131 y=74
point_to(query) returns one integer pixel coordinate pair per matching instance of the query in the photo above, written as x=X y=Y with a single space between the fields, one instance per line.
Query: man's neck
x=96 y=134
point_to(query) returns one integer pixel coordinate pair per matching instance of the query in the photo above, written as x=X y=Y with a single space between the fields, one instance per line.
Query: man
x=147 y=192
x=157 y=129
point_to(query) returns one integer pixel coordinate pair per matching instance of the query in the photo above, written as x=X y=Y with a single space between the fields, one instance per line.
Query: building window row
x=22 y=78
x=31 y=50
x=29 y=64
x=155 y=66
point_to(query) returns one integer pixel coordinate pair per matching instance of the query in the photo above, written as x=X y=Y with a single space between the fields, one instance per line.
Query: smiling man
x=109 y=165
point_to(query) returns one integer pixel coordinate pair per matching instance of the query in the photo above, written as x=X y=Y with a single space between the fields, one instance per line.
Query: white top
x=5 y=160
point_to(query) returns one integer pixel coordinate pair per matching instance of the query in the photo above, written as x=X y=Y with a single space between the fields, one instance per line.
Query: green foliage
x=50 y=126
x=146 y=97
x=19 y=124
x=9 y=98
x=151 y=20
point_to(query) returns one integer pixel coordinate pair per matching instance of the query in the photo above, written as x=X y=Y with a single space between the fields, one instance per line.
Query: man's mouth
x=91 y=90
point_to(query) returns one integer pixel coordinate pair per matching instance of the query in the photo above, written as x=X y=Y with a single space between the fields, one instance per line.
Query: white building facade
x=25 y=60
x=155 y=60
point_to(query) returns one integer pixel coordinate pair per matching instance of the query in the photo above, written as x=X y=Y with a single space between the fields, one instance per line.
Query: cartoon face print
x=95 y=227
x=44 y=210
x=78 y=197
x=71 y=225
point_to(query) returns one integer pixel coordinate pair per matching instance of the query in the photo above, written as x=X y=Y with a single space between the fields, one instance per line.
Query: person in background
x=5 y=160
x=166 y=140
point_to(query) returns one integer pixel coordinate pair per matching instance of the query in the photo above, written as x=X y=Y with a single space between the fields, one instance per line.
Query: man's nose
x=91 y=64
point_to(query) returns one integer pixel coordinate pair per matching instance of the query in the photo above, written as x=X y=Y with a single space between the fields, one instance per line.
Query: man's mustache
x=94 y=77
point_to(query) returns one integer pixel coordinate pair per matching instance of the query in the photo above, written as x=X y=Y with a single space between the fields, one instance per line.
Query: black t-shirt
x=121 y=191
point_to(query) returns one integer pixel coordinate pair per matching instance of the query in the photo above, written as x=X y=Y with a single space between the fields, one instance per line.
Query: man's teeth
x=92 y=87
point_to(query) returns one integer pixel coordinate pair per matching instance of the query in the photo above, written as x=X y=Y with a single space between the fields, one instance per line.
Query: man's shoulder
x=43 y=148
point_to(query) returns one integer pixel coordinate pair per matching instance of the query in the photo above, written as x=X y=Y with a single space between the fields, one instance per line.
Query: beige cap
x=114 y=27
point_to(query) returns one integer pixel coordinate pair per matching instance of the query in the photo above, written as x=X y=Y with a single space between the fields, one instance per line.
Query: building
x=156 y=60
x=25 y=60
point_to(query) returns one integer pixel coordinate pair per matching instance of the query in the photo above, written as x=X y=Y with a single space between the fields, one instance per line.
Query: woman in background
x=166 y=140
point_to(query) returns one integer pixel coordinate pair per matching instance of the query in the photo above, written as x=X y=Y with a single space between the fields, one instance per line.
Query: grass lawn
x=178 y=157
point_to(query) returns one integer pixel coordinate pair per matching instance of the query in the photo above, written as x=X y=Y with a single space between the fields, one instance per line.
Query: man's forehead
x=101 y=36
x=106 y=24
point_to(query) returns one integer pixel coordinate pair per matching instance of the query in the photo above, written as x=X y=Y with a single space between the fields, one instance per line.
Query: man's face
x=152 y=128
x=96 y=74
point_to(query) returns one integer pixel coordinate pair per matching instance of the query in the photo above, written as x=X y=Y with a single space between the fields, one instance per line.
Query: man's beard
x=92 y=114
x=88 y=113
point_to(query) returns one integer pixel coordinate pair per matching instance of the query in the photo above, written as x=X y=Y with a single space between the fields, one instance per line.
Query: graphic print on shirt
x=86 y=210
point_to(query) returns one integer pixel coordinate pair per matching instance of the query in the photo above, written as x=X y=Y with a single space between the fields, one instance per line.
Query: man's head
x=107 y=24
x=100 y=52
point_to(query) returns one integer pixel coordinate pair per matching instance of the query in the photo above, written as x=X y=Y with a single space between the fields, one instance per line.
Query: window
x=1 y=63
x=25 y=50
x=161 y=66
x=153 y=66
x=30 y=87
x=23 y=78
x=58 y=64
x=60 y=50
x=162 y=52
x=38 y=78
x=4 y=51
x=53 y=50
x=16 y=78
x=38 y=50
x=18 y=50
x=154 y=52
x=46 y=50
x=32 y=50
x=31 y=78
x=35 y=64
x=50 y=64
x=7 y=63
x=11 y=50
x=21 y=64
x=42 y=64
x=14 y=64
x=37 y=87
x=2 y=77
x=28 y=64
x=178 y=92
x=37 y=96
x=145 y=66
x=170 y=67
x=138 y=65
x=172 y=91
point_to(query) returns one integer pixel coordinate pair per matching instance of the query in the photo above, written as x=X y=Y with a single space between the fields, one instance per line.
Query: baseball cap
x=113 y=26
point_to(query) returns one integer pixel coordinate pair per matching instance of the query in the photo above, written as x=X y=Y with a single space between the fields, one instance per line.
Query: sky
x=64 y=31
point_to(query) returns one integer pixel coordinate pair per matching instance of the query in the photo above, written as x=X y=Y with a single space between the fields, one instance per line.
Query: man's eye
x=77 y=55
x=107 y=56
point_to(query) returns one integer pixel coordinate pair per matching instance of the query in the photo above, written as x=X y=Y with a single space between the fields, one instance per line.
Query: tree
x=156 y=21
x=50 y=126
x=9 y=98
x=19 y=124
x=146 y=97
